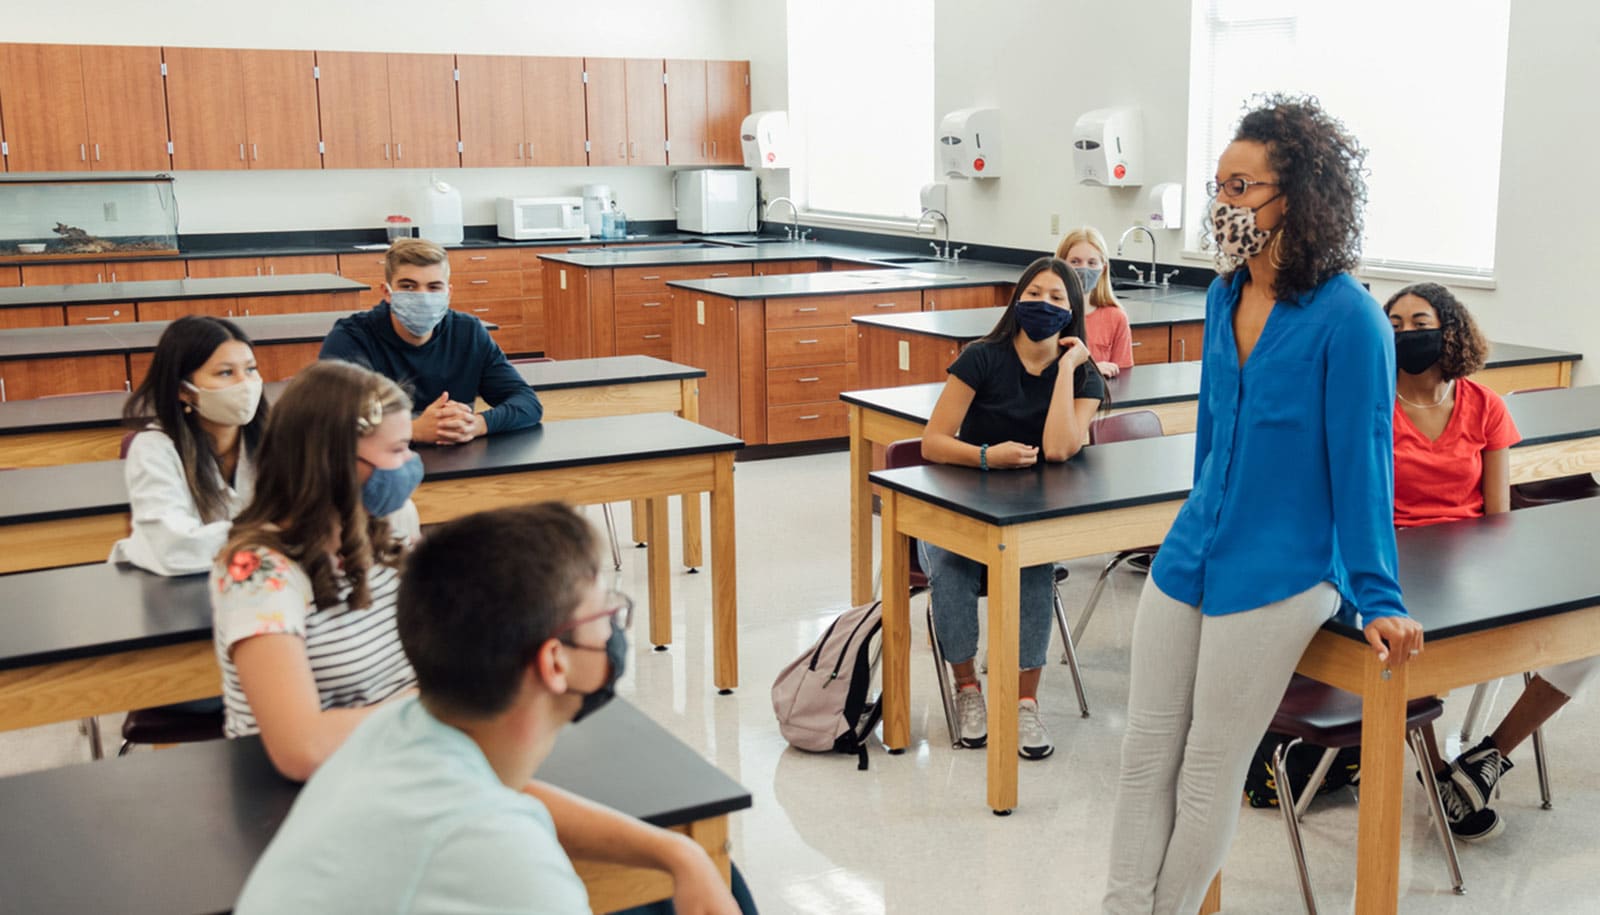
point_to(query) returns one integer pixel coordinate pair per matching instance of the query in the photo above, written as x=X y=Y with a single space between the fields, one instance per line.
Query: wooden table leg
x=1383 y=724
x=660 y=572
x=724 y=578
x=1212 y=904
x=693 y=555
x=641 y=521
x=1005 y=588
x=896 y=630
x=860 y=513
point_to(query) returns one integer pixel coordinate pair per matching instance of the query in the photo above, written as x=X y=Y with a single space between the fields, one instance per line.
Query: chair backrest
x=1125 y=427
x=127 y=442
x=908 y=453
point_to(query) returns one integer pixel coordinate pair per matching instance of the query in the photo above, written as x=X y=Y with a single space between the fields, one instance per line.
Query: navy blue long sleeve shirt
x=460 y=358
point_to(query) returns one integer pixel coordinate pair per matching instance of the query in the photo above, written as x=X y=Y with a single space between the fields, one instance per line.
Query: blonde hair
x=414 y=252
x=1101 y=295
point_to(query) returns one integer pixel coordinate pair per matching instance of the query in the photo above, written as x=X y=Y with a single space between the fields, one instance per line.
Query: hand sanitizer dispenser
x=765 y=139
x=1164 y=205
x=969 y=143
x=1108 y=147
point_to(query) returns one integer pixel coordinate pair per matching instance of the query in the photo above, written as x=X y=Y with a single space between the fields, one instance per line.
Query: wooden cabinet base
x=67 y=542
x=28 y=379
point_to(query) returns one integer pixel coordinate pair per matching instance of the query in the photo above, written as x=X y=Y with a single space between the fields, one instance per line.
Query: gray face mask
x=419 y=312
x=1088 y=278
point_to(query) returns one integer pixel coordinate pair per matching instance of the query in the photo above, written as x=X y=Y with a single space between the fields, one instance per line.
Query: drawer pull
x=652 y=336
x=653 y=276
x=96 y=318
x=650 y=305
x=884 y=305
x=810 y=380
x=808 y=342
x=806 y=310
x=810 y=416
x=1137 y=343
x=719 y=275
x=478 y=257
x=479 y=282
x=479 y=311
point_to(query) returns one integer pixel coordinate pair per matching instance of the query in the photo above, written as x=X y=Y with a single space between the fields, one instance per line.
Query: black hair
x=1465 y=349
x=186 y=345
x=479 y=596
x=1006 y=329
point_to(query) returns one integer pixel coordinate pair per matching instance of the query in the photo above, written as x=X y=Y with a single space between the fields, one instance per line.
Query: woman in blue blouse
x=1292 y=504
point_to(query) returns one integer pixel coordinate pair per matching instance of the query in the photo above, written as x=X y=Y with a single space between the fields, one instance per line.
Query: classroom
x=724 y=456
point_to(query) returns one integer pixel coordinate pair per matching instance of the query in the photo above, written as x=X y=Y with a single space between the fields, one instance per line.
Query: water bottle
x=620 y=225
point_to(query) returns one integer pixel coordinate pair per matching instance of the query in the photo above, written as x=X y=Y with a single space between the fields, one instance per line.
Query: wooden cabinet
x=143 y=271
x=493 y=130
x=243 y=109
x=295 y=264
x=727 y=105
x=487 y=284
x=1186 y=342
x=30 y=379
x=31 y=316
x=1151 y=344
x=77 y=108
x=422 y=110
x=783 y=268
x=280 y=361
x=100 y=314
x=172 y=310
x=965 y=297
x=647 y=112
x=626 y=111
x=64 y=274
x=214 y=267
x=688 y=142
x=553 y=111
x=534 y=338
x=126 y=108
x=303 y=303
x=217 y=267
x=10 y=276
x=364 y=268
x=353 y=94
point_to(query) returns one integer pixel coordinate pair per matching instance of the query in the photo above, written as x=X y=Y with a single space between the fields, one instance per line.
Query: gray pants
x=1203 y=690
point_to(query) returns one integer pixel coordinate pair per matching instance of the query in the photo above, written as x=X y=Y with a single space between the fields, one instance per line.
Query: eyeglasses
x=1236 y=187
x=620 y=610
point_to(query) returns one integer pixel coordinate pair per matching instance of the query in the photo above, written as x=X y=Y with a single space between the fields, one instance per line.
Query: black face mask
x=616 y=650
x=1416 y=351
x=1040 y=320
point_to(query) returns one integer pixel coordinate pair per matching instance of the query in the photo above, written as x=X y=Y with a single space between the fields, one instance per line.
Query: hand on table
x=1108 y=369
x=1396 y=639
x=1012 y=456
x=446 y=422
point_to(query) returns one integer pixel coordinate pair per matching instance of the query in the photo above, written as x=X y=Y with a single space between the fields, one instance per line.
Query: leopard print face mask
x=1236 y=235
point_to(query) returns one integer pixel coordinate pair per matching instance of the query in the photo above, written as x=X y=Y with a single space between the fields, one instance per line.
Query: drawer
x=503 y=311
x=645 y=308
x=509 y=338
x=808 y=346
x=10 y=276
x=645 y=340
x=807 y=311
x=482 y=260
x=498 y=285
x=211 y=267
x=1187 y=340
x=63 y=274
x=247 y=306
x=144 y=271
x=882 y=303
x=528 y=258
x=806 y=384
x=946 y=299
x=807 y=422
x=783 y=268
x=362 y=266
x=1150 y=344
x=172 y=310
x=631 y=280
x=121 y=313
x=298 y=264
x=30 y=316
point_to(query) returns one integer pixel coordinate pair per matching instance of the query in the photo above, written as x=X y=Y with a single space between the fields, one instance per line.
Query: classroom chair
x=1549 y=492
x=908 y=453
x=1121 y=427
x=185 y=722
x=1326 y=716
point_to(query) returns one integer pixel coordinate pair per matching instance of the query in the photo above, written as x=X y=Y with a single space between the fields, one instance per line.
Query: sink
x=909 y=260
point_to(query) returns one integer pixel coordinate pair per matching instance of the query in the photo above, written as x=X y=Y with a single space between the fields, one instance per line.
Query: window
x=861 y=105
x=1420 y=82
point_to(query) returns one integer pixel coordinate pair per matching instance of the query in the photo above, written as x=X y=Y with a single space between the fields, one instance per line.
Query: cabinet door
x=214 y=267
x=1151 y=344
x=647 y=112
x=120 y=313
x=172 y=310
x=126 y=104
x=422 y=110
x=727 y=105
x=279 y=361
x=29 y=379
x=64 y=274
x=280 y=104
x=41 y=91
x=553 y=111
x=353 y=106
x=143 y=271
x=205 y=107
x=31 y=316
x=606 y=94
x=1187 y=341
x=490 y=97
x=687 y=140
x=10 y=276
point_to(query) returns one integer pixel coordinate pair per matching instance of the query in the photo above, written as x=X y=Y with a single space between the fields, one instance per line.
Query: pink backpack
x=826 y=700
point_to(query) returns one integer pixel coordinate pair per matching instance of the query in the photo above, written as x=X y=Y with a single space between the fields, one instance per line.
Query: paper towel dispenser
x=1108 y=147
x=969 y=143
x=764 y=136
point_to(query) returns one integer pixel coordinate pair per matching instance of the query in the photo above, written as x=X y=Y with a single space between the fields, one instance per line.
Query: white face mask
x=234 y=405
x=419 y=312
x=1237 y=237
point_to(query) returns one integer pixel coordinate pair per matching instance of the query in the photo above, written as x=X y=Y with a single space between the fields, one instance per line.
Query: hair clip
x=372 y=419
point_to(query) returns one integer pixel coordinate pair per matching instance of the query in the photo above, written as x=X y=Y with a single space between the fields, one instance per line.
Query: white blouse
x=168 y=536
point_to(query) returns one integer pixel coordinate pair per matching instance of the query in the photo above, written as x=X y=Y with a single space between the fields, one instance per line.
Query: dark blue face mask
x=1039 y=319
x=617 y=653
x=387 y=490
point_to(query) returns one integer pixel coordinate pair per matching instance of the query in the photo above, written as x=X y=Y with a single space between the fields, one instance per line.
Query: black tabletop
x=177 y=831
x=851 y=282
x=174 y=290
x=65 y=491
x=1179 y=306
x=141 y=336
x=1140 y=386
x=588 y=373
x=1552 y=416
x=90 y=611
x=1505 y=355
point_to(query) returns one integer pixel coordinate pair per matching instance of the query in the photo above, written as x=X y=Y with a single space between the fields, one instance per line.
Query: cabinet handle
x=113 y=276
x=810 y=416
x=127 y=385
x=807 y=342
x=99 y=277
x=652 y=336
x=633 y=149
x=478 y=257
x=519 y=150
x=97 y=152
x=272 y=270
x=1183 y=350
x=83 y=153
x=399 y=151
x=713 y=149
x=1137 y=343
x=247 y=312
x=478 y=282
x=702 y=149
x=241 y=152
x=806 y=310
x=716 y=275
x=89 y=318
x=884 y=305
x=2 y=390
x=622 y=150
x=479 y=311
x=650 y=305
x=653 y=276
x=386 y=152
x=809 y=380
x=255 y=153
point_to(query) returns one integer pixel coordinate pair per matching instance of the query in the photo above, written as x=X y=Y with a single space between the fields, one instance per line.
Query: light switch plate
x=700 y=311
x=905 y=355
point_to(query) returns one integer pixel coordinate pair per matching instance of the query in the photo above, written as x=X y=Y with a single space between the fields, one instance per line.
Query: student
x=1451 y=437
x=190 y=467
x=303 y=593
x=1291 y=504
x=1110 y=338
x=430 y=804
x=445 y=358
x=1026 y=390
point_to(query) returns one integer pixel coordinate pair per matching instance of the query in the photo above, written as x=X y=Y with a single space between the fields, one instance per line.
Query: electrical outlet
x=111 y=211
x=1055 y=223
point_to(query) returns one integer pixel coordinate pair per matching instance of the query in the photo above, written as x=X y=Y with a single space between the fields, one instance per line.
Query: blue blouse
x=1294 y=458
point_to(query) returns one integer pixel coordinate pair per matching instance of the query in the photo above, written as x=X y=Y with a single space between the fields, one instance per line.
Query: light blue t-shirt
x=408 y=816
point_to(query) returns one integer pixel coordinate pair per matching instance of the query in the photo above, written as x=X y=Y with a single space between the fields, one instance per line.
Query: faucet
x=943 y=254
x=790 y=232
x=1136 y=270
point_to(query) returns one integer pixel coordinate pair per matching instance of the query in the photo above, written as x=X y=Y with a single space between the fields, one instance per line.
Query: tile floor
x=913 y=834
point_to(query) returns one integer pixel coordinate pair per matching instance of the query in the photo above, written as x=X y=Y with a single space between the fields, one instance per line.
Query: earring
x=187 y=408
x=1274 y=250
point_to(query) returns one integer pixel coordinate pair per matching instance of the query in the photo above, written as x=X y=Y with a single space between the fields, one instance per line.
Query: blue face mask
x=387 y=490
x=419 y=312
x=1088 y=278
x=1040 y=320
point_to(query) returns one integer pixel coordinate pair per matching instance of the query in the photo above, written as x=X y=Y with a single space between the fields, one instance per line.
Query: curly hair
x=1322 y=178
x=1464 y=349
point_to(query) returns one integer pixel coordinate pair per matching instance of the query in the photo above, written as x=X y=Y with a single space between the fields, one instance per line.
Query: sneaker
x=1475 y=773
x=972 y=717
x=1467 y=824
x=1033 y=741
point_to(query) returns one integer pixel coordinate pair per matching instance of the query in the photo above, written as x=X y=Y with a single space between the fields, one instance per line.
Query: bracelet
x=983 y=457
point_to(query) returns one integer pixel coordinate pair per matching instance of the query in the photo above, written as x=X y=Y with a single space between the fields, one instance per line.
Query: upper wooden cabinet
x=553 y=110
x=707 y=102
x=82 y=108
x=422 y=110
x=280 y=104
x=490 y=97
x=388 y=110
x=627 y=111
x=205 y=107
x=727 y=105
x=647 y=112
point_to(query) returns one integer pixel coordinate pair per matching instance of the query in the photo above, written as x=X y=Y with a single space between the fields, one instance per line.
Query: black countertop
x=845 y=282
x=1543 y=417
x=176 y=290
x=722 y=251
x=94 y=610
x=141 y=336
x=187 y=824
x=965 y=324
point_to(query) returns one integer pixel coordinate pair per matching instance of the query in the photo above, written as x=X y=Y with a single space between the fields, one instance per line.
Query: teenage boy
x=445 y=357
x=430 y=805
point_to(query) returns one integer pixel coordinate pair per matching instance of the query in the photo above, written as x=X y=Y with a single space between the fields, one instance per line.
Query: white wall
x=285 y=200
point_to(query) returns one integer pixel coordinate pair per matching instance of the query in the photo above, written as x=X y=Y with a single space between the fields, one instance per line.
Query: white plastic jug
x=439 y=214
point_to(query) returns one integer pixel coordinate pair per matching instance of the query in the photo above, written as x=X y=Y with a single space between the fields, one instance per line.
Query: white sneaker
x=1033 y=741
x=972 y=717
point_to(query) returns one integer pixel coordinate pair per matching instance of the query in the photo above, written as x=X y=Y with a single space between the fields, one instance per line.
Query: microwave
x=525 y=218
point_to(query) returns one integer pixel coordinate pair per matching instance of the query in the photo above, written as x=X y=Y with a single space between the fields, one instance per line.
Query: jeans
x=954 y=581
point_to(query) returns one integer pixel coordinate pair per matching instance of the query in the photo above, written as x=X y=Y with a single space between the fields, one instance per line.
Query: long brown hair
x=187 y=344
x=306 y=483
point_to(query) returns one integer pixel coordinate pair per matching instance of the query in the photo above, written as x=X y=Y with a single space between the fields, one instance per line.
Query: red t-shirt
x=1442 y=480
x=1110 y=338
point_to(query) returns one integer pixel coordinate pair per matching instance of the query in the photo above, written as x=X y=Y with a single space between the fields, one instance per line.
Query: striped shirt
x=355 y=655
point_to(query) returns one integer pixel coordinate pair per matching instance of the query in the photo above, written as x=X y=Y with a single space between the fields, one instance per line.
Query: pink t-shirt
x=1110 y=337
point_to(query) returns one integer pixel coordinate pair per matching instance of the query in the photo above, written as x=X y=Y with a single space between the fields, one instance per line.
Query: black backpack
x=1260 y=784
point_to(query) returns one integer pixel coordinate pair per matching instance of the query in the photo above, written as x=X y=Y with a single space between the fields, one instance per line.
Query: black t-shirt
x=1009 y=404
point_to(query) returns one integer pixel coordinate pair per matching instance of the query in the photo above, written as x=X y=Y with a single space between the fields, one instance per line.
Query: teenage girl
x=1109 y=336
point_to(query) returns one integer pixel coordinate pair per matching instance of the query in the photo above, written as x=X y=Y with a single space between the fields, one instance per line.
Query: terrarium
x=76 y=218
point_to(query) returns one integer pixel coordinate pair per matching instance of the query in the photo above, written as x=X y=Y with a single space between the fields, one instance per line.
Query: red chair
x=1119 y=427
x=908 y=453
